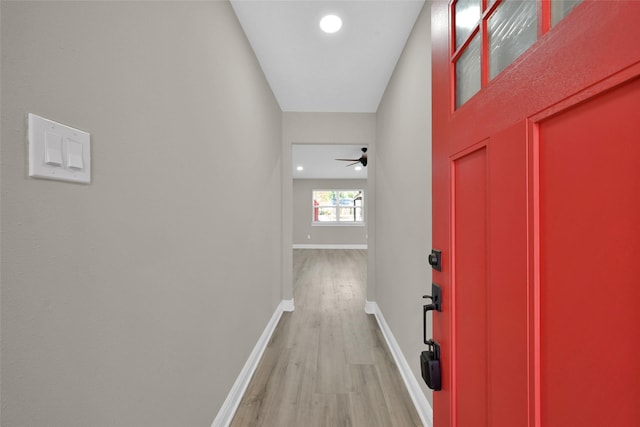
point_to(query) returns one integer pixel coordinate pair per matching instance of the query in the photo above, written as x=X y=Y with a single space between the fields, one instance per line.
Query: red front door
x=537 y=213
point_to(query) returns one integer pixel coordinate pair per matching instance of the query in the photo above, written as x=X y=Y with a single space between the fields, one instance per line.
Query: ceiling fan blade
x=355 y=163
x=349 y=160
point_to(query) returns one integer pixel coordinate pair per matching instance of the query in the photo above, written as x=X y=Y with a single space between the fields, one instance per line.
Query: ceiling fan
x=362 y=160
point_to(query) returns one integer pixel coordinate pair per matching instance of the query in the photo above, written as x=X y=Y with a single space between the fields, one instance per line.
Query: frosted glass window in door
x=561 y=8
x=466 y=15
x=468 y=72
x=512 y=28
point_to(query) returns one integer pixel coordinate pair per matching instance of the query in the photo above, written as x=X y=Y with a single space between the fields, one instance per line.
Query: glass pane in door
x=561 y=8
x=466 y=15
x=468 y=78
x=512 y=28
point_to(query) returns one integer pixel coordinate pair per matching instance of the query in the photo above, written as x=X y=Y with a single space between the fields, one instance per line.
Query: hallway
x=327 y=363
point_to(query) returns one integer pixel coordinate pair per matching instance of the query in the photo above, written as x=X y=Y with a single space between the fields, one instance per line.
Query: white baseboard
x=417 y=396
x=370 y=307
x=287 y=305
x=330 y=246
x=231 y=403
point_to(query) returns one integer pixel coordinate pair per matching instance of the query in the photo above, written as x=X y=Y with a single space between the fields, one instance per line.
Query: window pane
x=346 y=198
x=358 y=214
x=352 y=214
x=468 y=72
x=326 y=214
x=467 y=14
x=561 y=8
x=346 y=214
x=325 y=197
x=513 y=28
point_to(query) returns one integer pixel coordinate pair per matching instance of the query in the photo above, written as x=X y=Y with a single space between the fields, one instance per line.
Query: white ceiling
x=310 y=71
x=318 y=161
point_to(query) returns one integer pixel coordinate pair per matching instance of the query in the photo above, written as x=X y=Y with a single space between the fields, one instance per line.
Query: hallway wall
x=403 y=194
x=137 y=299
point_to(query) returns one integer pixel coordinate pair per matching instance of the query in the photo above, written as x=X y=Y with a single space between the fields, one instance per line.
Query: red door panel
x=590 y=262
x=469 y=287
x=507 y=291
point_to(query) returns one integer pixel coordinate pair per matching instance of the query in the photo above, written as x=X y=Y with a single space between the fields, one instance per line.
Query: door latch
x=430 y=366
x=435 y=259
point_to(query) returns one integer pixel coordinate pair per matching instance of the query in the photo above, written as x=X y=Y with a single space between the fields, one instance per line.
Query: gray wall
x=325 y=234
x=136 y=300
x=324 y=128
x=403 y=174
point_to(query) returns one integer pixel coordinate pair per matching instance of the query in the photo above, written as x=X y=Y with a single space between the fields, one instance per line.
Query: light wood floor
x=327 y=363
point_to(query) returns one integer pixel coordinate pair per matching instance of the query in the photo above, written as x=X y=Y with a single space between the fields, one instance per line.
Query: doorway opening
x=330 y=205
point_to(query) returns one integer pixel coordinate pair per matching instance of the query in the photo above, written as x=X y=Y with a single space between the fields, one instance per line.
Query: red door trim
x=533 y=164
x=609 y=82
x=484 y=144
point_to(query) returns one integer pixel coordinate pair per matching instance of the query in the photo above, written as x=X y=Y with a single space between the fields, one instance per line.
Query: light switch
x=57 y=151
x=52 y=149
x=74 y=154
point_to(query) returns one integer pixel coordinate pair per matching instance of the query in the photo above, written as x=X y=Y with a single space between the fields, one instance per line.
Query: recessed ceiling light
x=299 y=168
x=331 y=24
x=358 y=168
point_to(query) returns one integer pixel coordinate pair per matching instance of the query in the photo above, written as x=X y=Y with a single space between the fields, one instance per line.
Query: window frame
x=337 y=222
x=480 y=29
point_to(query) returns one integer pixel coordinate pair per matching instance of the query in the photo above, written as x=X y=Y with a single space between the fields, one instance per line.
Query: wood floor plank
x=327 y=363
x=371 y=395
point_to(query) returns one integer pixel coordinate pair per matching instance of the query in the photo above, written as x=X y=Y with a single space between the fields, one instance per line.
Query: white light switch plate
x=68 y=161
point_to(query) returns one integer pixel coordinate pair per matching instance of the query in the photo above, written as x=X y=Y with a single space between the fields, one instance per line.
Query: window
x=338 y=207
x=490 y=34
